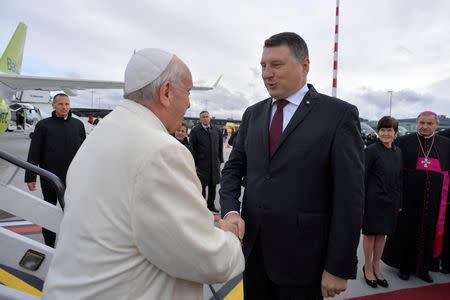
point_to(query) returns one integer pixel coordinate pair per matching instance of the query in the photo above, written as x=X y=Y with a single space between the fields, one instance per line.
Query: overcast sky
x=401 y=45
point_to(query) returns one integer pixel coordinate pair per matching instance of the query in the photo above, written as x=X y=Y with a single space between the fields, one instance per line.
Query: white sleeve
x=173 y=228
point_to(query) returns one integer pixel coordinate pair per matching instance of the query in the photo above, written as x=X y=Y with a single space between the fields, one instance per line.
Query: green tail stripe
x=11 y=61
x=217 y=82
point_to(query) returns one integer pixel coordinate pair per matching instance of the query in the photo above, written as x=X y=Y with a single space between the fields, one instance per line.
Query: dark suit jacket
x=207 y=149
x=306 y=200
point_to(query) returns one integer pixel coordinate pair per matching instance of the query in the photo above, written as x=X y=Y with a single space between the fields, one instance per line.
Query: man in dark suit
x=207 y=149
x=302 y=158
x=55 y=142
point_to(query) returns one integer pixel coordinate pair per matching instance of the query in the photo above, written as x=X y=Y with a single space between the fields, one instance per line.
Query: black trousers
x=50 y=196
x=211 y=194
x=258 y=286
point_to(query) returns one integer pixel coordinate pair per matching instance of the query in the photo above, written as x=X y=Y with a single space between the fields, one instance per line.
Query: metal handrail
x=52 y=178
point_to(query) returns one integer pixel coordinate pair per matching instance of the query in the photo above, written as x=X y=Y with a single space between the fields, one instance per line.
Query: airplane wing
x=22 y=82
x=207 y=88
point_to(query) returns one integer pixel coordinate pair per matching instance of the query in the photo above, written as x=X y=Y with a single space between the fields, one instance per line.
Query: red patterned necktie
x=276 y=128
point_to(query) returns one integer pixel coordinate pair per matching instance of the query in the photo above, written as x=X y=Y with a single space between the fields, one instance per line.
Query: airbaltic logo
x=12 y=65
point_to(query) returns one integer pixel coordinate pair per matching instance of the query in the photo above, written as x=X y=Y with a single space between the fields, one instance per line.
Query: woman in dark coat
x=383 y=181
x=181 y=136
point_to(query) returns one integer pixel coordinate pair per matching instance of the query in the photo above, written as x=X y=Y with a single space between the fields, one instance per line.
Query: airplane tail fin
x=11 y=61
x=217 y=82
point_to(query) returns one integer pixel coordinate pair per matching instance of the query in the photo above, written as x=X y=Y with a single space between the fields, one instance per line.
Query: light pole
x=390 y=103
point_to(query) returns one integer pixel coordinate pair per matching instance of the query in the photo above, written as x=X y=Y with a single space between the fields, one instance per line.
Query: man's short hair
x=388 y=122
x=427 y=114
x=204 y=111
x=172 y=73
x=296 y=44
x=59 y=94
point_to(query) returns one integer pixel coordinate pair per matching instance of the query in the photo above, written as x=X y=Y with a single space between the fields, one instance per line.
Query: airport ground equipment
x=17 y=251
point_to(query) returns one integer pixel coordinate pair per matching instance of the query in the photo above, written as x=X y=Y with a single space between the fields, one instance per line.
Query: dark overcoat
x=383 y=183
x=186 y=143
x=305 y=201
x=54 y=144
x=207 y=149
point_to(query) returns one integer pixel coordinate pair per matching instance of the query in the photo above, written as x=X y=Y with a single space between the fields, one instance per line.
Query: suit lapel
x=265 y=127
x=302 y=111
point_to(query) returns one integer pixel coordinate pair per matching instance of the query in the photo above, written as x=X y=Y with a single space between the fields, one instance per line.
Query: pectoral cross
x=426 y=162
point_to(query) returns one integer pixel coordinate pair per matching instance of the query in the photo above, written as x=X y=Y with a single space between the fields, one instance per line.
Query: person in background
x=181 y=136
x=233 y=136
x=95 y=122
x=417 y=242
x=225 y=133
x=371 y=138
x=383 y=183
x=363 y=137
x=207 y=149
x=55 y=142
x=20 y=119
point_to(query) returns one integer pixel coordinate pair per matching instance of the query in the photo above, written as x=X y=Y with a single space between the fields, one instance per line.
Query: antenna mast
x=335 y=63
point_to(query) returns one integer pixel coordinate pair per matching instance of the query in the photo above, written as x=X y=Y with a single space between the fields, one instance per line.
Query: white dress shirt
x=291 y=107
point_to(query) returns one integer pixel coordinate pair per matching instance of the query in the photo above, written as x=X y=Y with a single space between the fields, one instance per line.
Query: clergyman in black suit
x=207 y=149
x=301 y=154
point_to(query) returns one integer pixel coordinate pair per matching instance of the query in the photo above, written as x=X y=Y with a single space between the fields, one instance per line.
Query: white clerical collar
x=297 y=97
x=426 y=137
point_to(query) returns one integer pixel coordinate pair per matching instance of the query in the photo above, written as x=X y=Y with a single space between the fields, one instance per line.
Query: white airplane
x=11 y=81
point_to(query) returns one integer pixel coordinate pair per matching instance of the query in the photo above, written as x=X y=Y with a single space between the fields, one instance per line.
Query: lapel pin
x=307 y=102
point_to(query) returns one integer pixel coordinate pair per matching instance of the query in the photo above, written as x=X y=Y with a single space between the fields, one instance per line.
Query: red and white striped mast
x=335 y=62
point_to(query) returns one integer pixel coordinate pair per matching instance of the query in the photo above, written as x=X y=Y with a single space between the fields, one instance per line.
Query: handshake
x=233 y=223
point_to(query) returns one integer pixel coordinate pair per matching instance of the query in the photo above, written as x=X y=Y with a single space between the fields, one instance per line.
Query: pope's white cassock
x=136 y=225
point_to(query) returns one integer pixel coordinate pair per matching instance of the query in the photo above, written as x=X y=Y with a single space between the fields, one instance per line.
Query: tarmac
x=17 y=143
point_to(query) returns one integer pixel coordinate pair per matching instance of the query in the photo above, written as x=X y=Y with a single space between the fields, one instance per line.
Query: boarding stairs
x=17 y=251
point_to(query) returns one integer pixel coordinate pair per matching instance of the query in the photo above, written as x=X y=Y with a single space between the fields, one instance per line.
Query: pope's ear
x=164 y=93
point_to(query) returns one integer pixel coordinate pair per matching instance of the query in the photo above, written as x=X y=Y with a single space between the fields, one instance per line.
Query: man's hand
x=236 y=220
x=31 y=186
x=227 y=226
x=332 y=285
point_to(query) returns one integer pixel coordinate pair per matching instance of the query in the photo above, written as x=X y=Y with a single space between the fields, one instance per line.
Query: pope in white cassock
x=136 y=225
